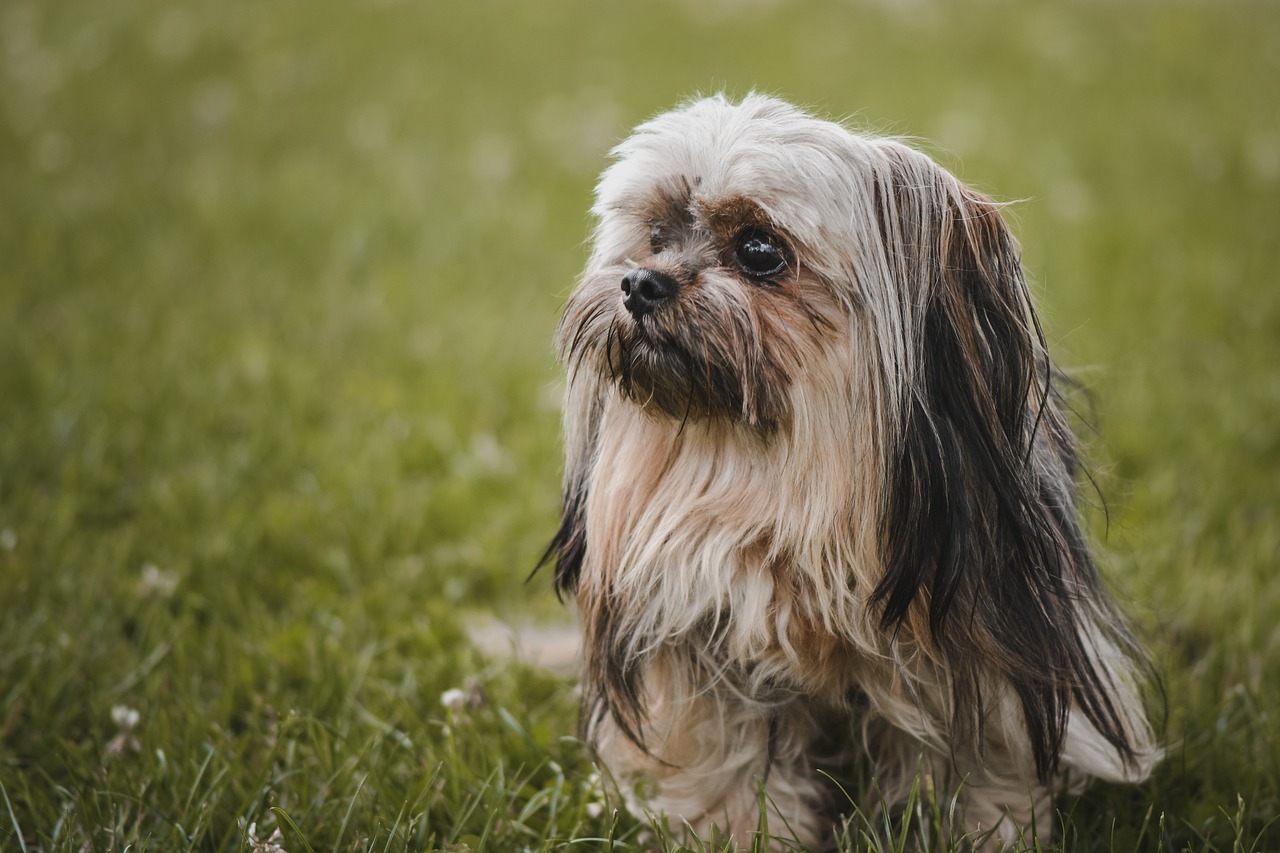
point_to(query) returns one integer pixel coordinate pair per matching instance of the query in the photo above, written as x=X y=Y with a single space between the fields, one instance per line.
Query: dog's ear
x=984 y=558
x=582 y=412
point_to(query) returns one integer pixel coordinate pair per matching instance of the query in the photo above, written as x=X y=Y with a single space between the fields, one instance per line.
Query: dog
x=819 y=494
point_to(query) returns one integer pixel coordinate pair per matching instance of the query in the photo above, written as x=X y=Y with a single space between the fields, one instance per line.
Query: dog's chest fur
x=718 y=540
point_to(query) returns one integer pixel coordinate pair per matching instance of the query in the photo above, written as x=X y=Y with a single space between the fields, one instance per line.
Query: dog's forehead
x=713 y=158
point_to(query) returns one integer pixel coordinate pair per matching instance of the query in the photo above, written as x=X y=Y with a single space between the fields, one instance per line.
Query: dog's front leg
x=708 y=754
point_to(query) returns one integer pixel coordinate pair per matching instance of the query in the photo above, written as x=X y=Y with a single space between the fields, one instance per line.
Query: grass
x=278 y=410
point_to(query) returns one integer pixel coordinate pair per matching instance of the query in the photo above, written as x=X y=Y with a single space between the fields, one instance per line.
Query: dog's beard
x=703 y=357
x=664 y=370
x=654 y=369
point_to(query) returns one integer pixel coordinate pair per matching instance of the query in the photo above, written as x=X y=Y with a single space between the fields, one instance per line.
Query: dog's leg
x=1000 y=811
x=709 y=754
x=991 y=793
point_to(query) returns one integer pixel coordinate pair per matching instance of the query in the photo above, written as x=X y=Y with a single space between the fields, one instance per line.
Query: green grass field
x=279 y=411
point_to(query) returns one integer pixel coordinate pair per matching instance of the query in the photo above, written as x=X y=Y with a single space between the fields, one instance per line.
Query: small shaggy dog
x=819 y=492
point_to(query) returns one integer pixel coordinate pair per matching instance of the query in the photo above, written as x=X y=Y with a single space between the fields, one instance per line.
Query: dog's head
x=701 y=298
x=748 y=255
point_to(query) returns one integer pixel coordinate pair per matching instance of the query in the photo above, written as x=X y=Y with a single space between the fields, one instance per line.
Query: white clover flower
x=124 y=717
x=125 y=742
x=271 y=845
x=453 y=699
x=157 y=582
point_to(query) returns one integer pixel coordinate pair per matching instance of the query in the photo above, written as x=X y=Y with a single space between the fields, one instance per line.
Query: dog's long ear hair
x=610 y=686
x=984 y=558
x=583 y=407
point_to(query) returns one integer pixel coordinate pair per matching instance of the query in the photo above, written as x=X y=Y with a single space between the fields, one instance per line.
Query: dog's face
x=717 y=279
x=707 y=311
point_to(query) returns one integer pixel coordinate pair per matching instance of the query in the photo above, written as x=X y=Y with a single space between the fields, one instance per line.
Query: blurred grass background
x=278 y=409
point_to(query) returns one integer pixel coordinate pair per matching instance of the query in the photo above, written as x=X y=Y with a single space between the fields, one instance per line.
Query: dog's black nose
x=645 y=289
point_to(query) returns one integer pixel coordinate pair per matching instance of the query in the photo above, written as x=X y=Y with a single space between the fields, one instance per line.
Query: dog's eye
x=759 y=254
